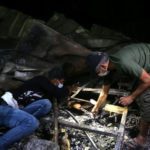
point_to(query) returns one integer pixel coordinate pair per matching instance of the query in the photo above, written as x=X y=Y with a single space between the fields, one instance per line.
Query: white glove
x=8 y=98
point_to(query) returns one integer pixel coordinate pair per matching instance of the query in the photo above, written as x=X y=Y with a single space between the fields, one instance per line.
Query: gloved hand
x=8 y=98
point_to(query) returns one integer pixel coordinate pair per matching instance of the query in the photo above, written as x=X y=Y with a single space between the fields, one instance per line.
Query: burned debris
x=30 y=47
x=38 y=45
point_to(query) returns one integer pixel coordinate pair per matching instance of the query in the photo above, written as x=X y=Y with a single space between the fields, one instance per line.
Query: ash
x=79 y=140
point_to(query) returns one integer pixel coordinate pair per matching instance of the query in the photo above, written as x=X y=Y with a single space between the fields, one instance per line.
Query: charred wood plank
x=81 y=100
x=115 y=109
x=104 y=131
x=92 y=101
x=111 y=91
x=55 y=122
x=88 y=136
x=80 y=89
x=123 y=111
x=121 y=130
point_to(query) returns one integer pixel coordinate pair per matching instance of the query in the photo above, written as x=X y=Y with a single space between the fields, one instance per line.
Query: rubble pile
x=79 y=130
x=37 y=44
x=79 y=140
x=31 y=47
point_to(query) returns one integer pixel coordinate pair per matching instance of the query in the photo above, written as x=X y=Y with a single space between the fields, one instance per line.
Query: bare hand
x=72 y=88
x=126 y=100
x=95 y=111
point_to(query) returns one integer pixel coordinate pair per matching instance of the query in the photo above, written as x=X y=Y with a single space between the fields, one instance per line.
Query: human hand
x=95 y=111
x=126 y=100
x=73 y=88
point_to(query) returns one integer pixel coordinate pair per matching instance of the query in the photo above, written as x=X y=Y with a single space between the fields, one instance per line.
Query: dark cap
x=96 y=58
x=56 y=72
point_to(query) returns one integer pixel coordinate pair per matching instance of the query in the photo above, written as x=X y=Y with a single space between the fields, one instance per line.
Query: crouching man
x=132 y=61
x=20 y=108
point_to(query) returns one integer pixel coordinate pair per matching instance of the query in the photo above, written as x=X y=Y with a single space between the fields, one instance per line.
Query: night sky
x=129 y=17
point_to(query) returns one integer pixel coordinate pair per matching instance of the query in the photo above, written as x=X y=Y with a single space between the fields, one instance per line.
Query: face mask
x=101 y=74
x=60 y=85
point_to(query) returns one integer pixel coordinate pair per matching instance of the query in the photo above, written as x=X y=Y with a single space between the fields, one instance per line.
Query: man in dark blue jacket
x=20 y=108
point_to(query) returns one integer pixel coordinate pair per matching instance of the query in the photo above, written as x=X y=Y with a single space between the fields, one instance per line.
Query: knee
x=47 y=105
x=35 y=123
x=32 y=123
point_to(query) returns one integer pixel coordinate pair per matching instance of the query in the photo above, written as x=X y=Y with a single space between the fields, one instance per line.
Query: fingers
x=94 y=112
x=123 y=103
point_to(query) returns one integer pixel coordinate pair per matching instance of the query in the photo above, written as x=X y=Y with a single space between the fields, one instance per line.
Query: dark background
x=129 y=17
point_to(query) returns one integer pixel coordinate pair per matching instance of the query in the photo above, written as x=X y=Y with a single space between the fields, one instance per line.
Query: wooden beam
x=111 y=91
x=104 y=131
x=88 y=136
x=82 y=100
x=80 y=89
x=55 y=121
x=115 y=109
x=120 y=132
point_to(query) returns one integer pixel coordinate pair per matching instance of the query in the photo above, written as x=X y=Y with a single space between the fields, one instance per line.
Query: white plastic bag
x=8 y=98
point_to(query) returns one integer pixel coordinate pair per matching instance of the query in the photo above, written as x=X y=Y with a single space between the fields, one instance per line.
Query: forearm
x=141 y=88
x=102 y=98
x=145 y=84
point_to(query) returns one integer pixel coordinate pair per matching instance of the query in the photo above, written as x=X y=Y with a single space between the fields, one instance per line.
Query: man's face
x=58 y=82
x=102 y=69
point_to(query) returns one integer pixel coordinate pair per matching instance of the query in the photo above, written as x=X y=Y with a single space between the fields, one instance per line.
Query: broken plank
x=115 y=109
x=121 y=130
x=81 y=100
x=111 y=91
x=80 y=89
x=123 y=111
x=104 y=131
x=55 y=121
